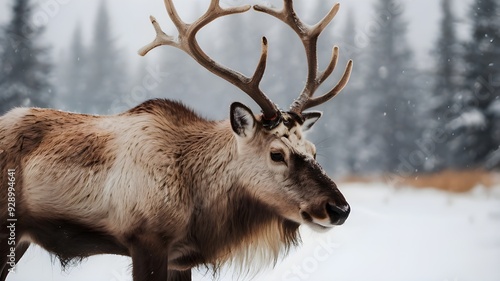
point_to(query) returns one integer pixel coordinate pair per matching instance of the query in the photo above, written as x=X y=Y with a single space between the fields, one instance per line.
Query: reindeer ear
x=310 y=119
x=242 y=120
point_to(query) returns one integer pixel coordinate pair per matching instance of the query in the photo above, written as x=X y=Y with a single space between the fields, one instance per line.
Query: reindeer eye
x=277 y=157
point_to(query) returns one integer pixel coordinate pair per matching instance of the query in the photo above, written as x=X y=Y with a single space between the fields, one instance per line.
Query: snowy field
x=392 y=235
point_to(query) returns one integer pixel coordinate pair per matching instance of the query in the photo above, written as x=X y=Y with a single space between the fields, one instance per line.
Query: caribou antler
x=186 y=41
x=309 y=36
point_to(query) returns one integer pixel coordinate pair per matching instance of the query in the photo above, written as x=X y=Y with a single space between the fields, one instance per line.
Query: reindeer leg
x=148 y=265
x=179 y=275
x=20 y=250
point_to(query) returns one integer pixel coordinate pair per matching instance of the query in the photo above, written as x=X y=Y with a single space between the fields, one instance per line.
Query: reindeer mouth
x=314 y=224
x=332 y=215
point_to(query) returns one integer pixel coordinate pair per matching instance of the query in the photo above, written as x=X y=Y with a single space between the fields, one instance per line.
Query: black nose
x=338 y=213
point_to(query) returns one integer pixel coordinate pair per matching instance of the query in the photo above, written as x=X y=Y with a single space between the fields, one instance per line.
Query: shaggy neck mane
x=230 y=225
x=247 y=234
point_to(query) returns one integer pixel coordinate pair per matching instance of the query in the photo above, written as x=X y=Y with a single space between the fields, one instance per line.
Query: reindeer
x=164 y=186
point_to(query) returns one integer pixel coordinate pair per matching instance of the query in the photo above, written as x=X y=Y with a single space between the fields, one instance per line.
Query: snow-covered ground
x=392 y=235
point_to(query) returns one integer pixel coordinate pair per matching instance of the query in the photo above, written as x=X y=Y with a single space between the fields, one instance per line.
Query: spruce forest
x=394 y=117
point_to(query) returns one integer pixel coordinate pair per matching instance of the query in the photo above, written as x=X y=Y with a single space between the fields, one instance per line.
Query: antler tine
x=322 y=24
x=186 y=41
x=333 y=92
x=261 y=66
x=309 y=36
x=161 y=39
x=331 y=66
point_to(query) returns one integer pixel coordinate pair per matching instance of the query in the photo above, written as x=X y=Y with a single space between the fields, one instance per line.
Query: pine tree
x=106 y=77
x=391 y=127
x=24 y=64
x=478 y=127
x=446 y=54
x=73 y=89
x=340 y=134
x=351 y=103
x=442 y=105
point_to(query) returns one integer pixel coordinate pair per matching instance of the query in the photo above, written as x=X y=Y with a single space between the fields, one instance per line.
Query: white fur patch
x=12 y=117
x=293 y=139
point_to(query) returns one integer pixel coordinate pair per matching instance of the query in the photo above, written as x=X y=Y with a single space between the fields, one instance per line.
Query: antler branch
x=309 y=37
x=186 y=41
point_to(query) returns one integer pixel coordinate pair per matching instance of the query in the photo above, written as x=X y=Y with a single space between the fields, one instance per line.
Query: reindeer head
x=281 y=170
x=280 y=164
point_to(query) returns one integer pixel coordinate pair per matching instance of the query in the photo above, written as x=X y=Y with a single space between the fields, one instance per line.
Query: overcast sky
x=132 y=28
